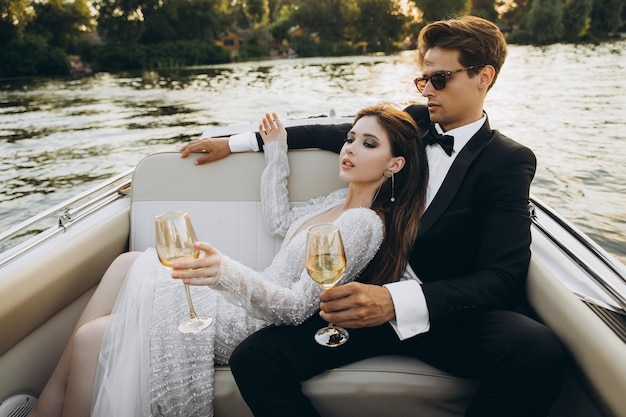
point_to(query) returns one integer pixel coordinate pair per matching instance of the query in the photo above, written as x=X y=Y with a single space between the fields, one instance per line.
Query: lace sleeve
x=278 y=213
x=269 y=298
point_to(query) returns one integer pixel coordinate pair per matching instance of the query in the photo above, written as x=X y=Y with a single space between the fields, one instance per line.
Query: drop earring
x=389 y=174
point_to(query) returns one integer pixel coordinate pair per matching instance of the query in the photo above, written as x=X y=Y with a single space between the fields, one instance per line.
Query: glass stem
x=192 y=312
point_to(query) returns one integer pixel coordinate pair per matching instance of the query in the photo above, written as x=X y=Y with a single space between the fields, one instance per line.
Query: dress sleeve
x=278 y=213
x=270 y=299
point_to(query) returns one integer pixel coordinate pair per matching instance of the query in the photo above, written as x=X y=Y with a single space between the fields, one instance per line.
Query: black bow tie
x=445 y=141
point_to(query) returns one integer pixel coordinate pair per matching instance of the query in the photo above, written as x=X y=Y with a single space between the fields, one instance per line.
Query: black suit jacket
x=473 y=246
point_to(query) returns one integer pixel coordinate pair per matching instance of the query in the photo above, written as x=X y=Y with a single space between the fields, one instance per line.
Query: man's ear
x=486 y=74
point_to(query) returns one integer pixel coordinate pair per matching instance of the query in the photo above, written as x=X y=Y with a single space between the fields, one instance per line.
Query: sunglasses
x=439 y=79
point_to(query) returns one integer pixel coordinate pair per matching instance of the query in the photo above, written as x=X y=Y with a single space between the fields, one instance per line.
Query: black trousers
x=518 y=361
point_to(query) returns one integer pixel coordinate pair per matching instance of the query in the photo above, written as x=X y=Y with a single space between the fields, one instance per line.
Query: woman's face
x=366 y=154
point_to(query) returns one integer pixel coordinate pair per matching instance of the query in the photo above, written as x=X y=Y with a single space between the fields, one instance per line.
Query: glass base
x=332 y=336
x=195 y=325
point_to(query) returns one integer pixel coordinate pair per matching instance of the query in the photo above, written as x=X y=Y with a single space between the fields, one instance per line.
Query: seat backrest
x=223 y=198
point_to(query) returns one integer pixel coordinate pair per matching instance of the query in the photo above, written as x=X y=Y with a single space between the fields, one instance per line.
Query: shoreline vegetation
x=36 y=60
x=74 y=37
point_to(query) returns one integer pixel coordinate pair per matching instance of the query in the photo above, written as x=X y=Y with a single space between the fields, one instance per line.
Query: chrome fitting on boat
x=65 y=218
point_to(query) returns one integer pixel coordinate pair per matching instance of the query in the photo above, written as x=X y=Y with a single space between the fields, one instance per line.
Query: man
x=459 y=305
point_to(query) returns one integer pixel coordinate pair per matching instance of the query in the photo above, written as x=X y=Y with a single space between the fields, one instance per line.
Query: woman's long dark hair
x=402 y=216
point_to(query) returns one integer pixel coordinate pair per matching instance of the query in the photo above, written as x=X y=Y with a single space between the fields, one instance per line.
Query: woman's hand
x=272 y=129
x=202 y=271
x=212 y=149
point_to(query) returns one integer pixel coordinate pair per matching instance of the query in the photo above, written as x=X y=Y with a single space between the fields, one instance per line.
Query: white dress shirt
x=407 y=295
x=242 y=142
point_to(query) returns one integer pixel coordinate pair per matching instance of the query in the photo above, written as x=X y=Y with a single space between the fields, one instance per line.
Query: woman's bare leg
x=50 y=402
x=83 y=365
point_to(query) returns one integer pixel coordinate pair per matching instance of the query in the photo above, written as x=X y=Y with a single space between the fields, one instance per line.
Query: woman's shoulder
x=362 y=217
x=361 y=229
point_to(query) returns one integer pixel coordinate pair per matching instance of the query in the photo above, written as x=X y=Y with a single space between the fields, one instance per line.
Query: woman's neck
x=360 y=196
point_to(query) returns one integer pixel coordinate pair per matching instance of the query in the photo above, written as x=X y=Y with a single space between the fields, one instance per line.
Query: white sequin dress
x=147 y=368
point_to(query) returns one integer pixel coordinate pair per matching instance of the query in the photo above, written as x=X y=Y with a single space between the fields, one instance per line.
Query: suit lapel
x=454 y=178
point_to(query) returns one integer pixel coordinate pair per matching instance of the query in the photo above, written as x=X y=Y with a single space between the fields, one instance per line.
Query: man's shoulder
x=504 y=148
x=506 y=141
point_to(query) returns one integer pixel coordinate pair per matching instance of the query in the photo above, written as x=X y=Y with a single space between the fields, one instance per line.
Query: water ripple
x=59 y=137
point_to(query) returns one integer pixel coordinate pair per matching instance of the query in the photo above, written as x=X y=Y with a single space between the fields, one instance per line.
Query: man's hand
x=212 y=149
x=356 y=305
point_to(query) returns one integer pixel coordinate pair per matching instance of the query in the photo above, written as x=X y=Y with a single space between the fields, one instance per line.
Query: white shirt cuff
x=243 y=142
x=410 y=307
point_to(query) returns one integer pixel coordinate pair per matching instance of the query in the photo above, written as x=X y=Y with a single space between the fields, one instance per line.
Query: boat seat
x=223 y=202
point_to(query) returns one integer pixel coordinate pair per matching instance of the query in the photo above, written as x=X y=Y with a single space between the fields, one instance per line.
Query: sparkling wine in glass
x=326 y=265
x=174 y=243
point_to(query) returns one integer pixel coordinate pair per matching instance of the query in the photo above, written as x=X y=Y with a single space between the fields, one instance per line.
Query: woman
x=128 y=336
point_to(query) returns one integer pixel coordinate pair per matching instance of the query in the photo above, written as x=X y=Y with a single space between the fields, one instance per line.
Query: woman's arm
x=279 y=214
x=268 y=298
x=277 y=211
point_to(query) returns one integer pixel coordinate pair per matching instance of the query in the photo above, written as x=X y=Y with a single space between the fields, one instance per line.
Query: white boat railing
x=67 y=212
x=598 y=253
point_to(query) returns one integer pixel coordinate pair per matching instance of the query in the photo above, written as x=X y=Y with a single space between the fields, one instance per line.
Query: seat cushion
x=382 y=386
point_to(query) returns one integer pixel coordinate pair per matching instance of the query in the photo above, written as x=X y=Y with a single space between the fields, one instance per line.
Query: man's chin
x=434 y=118
x=434 y=111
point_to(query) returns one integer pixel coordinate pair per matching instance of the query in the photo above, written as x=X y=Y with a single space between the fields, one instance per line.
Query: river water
x=59 y=137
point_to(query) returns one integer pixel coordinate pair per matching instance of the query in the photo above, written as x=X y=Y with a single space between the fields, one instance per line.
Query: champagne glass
x=174 y=243
x=326 y=265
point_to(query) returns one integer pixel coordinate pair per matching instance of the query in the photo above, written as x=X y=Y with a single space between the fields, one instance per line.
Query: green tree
x=277 y=8
x=516 y=14
x=248 y=13
x=257 y=11
x=122 y=21
x=184 y=20
x=380 y=22
x=576 y=19
x=29 y=58
x=14 y=17
x=545 y=21
x=442 y=9
x=485 y=9
x=259 y=41
x=328 y=18
x=61 y=24
x=282 y=19
x=153 y=21
x=606 y=16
